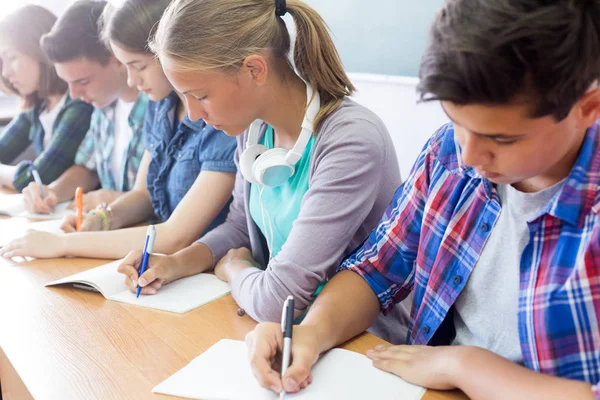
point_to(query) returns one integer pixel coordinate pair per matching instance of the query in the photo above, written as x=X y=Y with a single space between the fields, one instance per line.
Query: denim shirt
x=179 y=153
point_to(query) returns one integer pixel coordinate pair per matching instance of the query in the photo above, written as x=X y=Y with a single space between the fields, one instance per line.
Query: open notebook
x=180 y=296
x=13 y=206
x=223 y=372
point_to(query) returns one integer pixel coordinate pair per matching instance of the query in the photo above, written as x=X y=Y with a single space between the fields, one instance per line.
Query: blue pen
x=148 y=248
x=37 y=179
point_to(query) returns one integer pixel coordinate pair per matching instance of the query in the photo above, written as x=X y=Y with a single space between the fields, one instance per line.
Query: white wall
x=379 y=36
x=394 y=100
x=56 y=6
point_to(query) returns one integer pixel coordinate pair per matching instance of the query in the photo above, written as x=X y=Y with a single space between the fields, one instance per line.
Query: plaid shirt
x=433 y=232
x=96 y=151
x=71 y=124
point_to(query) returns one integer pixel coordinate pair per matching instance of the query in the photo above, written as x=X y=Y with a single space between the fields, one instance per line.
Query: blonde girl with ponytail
x=230 y=60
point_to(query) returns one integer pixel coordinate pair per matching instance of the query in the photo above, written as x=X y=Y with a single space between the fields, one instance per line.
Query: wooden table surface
x=64 y=343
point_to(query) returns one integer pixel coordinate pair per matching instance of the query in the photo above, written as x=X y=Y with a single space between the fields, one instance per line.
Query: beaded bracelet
x=104 y=219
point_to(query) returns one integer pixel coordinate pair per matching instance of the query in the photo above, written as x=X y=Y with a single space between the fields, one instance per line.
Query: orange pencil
x=79 y=206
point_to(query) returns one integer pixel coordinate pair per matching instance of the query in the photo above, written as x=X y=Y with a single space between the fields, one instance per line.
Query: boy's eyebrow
x=132 y=62
x=498 y=135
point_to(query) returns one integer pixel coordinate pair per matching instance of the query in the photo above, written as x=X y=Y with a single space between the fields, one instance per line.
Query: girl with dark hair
x=51 y=121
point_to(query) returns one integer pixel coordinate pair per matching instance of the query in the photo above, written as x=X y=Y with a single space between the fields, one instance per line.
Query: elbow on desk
x=252 y=292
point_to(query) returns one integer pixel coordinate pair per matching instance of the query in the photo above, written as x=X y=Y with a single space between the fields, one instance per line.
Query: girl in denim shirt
x=187 y=168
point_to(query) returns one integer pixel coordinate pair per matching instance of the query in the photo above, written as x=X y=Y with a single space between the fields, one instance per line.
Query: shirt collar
x=580 y=195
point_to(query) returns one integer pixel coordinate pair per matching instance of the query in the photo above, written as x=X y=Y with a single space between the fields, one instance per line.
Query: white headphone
x=273 y=167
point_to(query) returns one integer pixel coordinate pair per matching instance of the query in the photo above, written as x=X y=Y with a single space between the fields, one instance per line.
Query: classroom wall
x=379 y=37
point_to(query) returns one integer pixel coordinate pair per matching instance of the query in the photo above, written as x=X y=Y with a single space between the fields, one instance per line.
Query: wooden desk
x=64 y=343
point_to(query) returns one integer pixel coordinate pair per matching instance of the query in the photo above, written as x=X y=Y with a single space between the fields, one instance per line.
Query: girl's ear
x=257 y=69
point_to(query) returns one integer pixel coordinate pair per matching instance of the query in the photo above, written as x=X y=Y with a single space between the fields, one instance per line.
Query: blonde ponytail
x=317 y=60
x=220 y=34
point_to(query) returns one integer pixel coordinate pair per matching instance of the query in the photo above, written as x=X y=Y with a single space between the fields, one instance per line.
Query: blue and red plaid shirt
x=434 y=231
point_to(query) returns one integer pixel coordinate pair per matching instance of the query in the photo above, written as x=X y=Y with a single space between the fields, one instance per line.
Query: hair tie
x=280 y=8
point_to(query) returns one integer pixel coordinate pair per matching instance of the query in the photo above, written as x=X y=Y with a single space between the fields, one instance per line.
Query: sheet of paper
x=180 y=296
x=59 y=212
x=13 y=206
x=223 y=372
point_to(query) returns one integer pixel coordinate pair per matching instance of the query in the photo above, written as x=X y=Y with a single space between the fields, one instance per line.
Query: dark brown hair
x=132 y=24
x=23 y=29
x=545 y=52
x=76 y=34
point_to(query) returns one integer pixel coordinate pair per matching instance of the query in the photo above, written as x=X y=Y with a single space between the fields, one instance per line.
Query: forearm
x=7 y=173
x=130 y=208
x=192 y=260
x=76 y=176
x=346 y=307
x=484 y=375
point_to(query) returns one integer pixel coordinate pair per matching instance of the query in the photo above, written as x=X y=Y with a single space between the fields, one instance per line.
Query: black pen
x=287 y=326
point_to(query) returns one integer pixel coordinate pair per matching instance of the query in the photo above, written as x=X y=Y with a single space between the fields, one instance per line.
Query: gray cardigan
x=353 y=176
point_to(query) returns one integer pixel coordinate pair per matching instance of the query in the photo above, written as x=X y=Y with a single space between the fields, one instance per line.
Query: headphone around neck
x=273 y=167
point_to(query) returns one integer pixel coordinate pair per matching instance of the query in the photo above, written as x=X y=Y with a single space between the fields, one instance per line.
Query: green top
x=281 y=204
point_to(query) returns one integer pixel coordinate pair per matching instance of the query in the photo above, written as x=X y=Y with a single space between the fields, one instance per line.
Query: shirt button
x=457 y=279
x=484 y=227
x=426 y=329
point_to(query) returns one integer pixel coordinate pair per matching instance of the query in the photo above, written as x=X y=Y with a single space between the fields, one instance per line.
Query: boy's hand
x=265 y=343
x=427 y=366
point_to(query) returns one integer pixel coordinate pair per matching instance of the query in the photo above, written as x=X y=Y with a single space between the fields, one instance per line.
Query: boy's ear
x=589 y=108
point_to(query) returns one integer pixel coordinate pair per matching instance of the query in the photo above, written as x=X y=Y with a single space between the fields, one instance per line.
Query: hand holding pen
x=287 y=327
x=37 y=179
x=148 y=248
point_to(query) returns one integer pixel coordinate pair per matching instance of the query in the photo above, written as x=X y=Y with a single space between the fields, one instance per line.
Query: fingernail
x=379 y=346
x=142 y=282
x=290 y=385
x=276 y=388
x=135 y=282
x=151 y=291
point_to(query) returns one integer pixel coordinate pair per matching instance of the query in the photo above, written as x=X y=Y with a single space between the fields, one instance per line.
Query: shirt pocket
x=183 y=174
